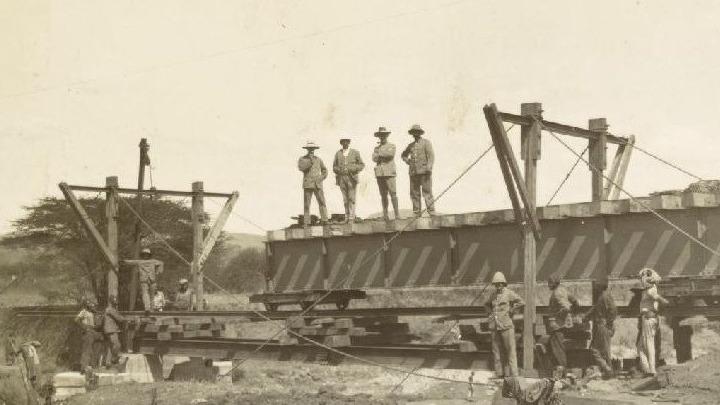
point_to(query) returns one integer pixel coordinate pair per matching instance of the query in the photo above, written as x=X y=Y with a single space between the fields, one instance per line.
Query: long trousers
x=386 y=185
x=112 y=340
x=89 y=354
x=421 y=183
x=320 y=197
x=557 y=348
x=348 y=190
x=147 y=291
x=600 y=346
x=646 y=344
x=504 y=354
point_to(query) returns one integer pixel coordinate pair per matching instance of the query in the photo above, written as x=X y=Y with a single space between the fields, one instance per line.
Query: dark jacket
x=348 y=166
x=419 y=156
x=112 y=320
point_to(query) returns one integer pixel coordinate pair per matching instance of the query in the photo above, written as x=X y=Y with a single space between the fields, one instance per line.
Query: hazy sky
x=228 y=91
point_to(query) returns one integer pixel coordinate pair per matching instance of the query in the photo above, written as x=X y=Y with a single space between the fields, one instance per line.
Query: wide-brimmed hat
x=345 y=138
x=311 y=145
x=382 y=131
x=416 y=129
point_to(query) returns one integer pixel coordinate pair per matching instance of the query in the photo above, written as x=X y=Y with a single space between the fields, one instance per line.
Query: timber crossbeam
x=562 y=129
x=173 y=193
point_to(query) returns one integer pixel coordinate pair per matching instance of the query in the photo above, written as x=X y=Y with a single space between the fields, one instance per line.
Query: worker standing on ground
x=112 y=325
x=560 y=319
x=501 y=305
x=148 y=270
x=602 y=315
x=184 y=298
x=346 y=166
x=649 y=321
x=86 y=320
x=420 y=157
x=384 y=158
x=314 y=173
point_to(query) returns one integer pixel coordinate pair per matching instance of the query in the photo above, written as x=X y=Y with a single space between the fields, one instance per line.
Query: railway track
x=406 y=355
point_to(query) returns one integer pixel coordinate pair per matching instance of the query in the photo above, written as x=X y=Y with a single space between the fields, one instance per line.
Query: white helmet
x=183 y=281
x=498 y=278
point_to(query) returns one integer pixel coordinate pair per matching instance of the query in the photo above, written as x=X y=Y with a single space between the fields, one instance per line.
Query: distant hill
x=244 y=240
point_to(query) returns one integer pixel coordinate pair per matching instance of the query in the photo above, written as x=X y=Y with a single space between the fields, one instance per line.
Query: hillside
x=244 y=240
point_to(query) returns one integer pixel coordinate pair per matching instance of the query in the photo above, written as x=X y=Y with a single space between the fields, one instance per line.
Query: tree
x=66 y=252
x=244 y=272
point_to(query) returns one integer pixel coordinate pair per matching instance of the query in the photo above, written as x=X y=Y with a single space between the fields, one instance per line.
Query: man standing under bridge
x=501 y=305
x=560 y=319
x=603 y=315
x=649 y=321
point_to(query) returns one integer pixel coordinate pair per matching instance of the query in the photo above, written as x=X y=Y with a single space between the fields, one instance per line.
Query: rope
x=283 y=329
x=674 y=166
x=366 y=260
x=642 y=204
x=157 y=234
x=567 y=176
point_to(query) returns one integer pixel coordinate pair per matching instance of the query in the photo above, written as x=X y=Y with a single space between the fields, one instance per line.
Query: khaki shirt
x=384 y=157
x=314 y=171
x=561 y=303
x=501 y=306
x=649 y=301
x=419 y=156
x=148 y=269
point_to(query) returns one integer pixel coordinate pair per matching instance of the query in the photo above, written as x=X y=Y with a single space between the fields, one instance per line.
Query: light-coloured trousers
x=386 y=185
x=646 y=344
x=320 y=197
x=504 y=354
x=147 y=291
x=421 y=184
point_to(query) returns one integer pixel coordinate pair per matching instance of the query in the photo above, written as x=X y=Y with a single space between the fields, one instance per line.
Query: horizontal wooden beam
x=149 y=192
x=561 y=128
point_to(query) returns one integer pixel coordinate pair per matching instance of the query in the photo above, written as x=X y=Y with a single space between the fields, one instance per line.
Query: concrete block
x=69 y=379
x=316 y=231
x=294 y=233
x=112 y=378
x=196 y=369
x=691 y=200
x=224 y=371
x=666 y=202
x=62 y=393
x=142 y=368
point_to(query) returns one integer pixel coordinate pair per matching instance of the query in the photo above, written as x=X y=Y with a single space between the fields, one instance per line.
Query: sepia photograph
x=325 y=202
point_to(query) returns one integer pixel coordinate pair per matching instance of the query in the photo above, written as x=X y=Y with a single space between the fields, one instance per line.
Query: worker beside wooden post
x=314 y=173
x=346 y=166
x=560 y=319
x=501 y=305
x=649 y=321
x=602 y=315
x=148 y=269
x=384 y=158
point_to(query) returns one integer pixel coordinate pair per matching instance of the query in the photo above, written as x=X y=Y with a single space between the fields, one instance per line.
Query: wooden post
x=682 y=340
x=111 y=215
x=597 y=155
x=622 y=169
x=144 y=161
x=530 y=154
x=198 y=217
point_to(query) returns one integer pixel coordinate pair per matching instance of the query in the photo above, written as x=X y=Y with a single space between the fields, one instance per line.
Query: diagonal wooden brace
x=216 y=229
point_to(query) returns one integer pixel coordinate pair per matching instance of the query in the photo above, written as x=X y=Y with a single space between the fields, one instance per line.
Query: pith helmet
x=146 y=251
x=416 y=129
x=311 y=145
x=498 y=278
x=382 y=131
x=183 y=281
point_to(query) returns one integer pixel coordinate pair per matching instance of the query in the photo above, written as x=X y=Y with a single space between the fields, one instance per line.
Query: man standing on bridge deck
x=649 y=323
x=501 y=305
x=148 y=270
x=560 y=319
x=314 y=173
x=384 y=158
x=603 y=315
x=346 y=166
x=420 y=157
